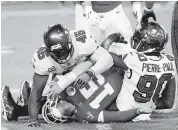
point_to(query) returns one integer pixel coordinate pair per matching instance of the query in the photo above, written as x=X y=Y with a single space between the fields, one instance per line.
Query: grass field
x=22 y=27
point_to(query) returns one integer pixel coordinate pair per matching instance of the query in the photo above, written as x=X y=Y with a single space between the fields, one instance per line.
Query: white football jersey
x=84 y=45
x=145 y=80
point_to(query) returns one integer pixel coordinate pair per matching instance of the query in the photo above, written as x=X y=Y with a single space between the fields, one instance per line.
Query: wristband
x=91 y=73
x=148 y=10
x=66 y=80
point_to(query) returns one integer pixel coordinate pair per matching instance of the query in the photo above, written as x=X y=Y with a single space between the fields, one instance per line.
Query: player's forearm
x=34 y=105
x=103 y=61
x=118 y=116
x=70 y=77
x=168 y=96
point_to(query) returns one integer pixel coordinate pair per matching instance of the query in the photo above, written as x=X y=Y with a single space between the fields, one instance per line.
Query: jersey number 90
x=149 y=87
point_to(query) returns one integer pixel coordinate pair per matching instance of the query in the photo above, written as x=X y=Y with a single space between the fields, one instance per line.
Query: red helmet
x=151 y=38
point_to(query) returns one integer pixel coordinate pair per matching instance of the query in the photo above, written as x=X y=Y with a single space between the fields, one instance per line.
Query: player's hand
x=144 y=111
x=117 y=37
x=146 y=16
x=33 y=123
x=54 y=91
x=82 y=80
x=93 y=18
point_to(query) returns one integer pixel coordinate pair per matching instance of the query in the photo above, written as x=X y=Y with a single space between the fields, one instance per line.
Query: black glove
x=33 y=123
x=83 y=79
x=117 y=37
x=146 y=16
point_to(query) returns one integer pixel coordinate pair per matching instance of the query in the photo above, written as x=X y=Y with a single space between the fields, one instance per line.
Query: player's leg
x=120 y=23
x=24 y=93
x=9 y=106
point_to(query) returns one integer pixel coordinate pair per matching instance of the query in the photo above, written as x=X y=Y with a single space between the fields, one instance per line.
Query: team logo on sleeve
x=71 y=91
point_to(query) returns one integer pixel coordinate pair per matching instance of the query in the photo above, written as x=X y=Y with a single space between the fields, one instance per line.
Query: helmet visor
x=61 y=53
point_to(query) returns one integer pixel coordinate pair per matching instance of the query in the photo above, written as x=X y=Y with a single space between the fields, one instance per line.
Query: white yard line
x=103 y=127
x=7 y=50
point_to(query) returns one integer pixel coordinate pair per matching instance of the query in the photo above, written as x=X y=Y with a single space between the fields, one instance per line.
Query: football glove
x=83 y=79
x=117 y=37
x=146 y=15
x=93 y=18
x=33 y=123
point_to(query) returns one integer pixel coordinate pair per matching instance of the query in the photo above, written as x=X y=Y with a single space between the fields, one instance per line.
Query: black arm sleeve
x=168 y=96
x=118 y=62
x=34 y=106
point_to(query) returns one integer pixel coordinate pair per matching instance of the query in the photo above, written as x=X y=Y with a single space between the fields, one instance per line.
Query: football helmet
x=150 y=38
x=58 y=42
x=57 y=111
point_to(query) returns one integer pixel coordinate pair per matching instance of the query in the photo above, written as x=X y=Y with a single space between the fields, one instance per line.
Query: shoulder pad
x=171 y=58
x=142 y=57
x=42 y=62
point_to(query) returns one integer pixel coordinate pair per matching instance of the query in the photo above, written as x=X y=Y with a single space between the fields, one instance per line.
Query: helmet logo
x=55 y=47
x=71 y=91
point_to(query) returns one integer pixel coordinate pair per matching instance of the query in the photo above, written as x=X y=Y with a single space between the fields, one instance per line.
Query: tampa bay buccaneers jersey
x=98 y=94
x=84 y=45
x=145 y=79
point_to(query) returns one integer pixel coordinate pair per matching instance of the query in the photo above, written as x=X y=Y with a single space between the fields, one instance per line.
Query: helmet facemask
x=62 y=52
x=58 y=111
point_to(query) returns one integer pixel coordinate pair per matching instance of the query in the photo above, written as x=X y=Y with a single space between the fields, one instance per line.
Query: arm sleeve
x=103 y=61
x=168 y=96
x=67 y=79
x=117 y=116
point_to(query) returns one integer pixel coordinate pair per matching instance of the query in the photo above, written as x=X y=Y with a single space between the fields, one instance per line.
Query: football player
x=103 y=18
x=89 y=104
x=149 y=78
x=62 y=50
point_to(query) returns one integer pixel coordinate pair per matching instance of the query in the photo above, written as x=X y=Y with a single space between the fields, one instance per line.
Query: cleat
x=8 y=105
x=24 y=93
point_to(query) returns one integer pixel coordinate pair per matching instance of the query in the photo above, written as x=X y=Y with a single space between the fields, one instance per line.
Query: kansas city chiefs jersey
x=84 y=45
x=145 y=80
x=98 y=94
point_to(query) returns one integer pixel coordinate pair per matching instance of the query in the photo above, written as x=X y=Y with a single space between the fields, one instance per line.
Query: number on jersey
x=42 y=53
x=93 y=87
x=150 y=87
x=80 y=36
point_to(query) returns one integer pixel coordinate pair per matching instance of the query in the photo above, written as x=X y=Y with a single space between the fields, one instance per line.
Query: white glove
x=137 y=13
x=93 y=18
x=138 y=21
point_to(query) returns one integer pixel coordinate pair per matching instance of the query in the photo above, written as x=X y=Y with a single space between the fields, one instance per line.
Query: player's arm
x=136 y=5
x=102 y=61
x=121 y=116
x=118 y=61
x=39 y=82
x=148 y=12
x=60 y=82
x=168 y=96
x=115 y=37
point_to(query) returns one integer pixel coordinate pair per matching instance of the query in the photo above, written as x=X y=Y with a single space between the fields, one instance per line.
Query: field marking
x=4 y=128
x=103 y=127
x=7 y=50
